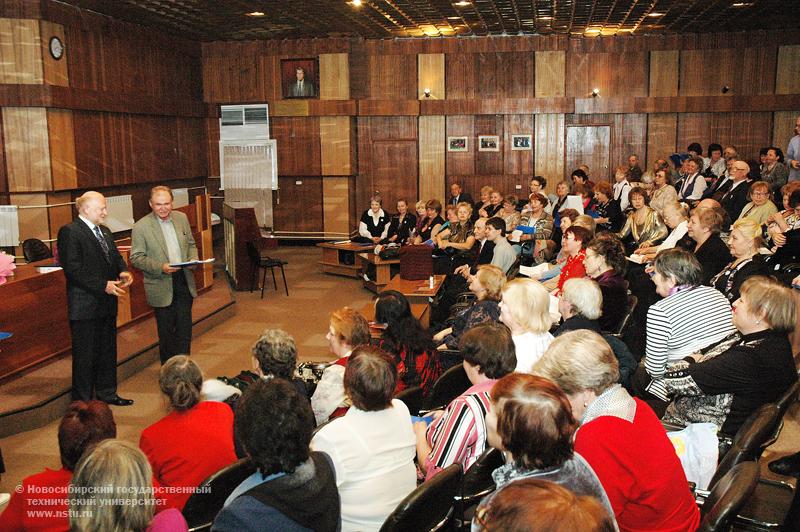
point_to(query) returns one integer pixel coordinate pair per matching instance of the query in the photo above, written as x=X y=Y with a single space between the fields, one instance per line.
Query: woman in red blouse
x=573 y=245
x=85 y=424
x=191 y=442
x=412 y=346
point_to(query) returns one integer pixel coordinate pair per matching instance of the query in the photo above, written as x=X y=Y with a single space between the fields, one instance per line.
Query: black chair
x=450 y=385
x=203 y=505
x=34 y=249
x=260 y=261
x=412 y=397
x=789 y=397
x=513 y=270
x=728 y=496
x=633 y=301
x=429 y=507
x=477 y=483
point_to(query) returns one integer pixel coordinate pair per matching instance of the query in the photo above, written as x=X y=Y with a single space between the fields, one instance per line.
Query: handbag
x=416 y=262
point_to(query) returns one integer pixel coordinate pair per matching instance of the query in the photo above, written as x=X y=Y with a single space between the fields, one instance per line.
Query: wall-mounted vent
x=244 y=122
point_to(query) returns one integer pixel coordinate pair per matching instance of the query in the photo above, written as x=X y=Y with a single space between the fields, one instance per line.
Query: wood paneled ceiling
x=225 y=20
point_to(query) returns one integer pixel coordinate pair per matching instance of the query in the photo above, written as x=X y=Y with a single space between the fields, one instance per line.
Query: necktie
x=101 y=239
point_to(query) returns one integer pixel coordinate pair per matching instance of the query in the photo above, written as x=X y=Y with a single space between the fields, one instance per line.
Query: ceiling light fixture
x=593 y=30
x=255 y=14
x=742 y=4
x=462 y=3
x=655 y=14
x=356 y=3
x=545 y=18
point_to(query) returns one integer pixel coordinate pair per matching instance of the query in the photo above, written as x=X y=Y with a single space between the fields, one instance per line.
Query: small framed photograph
x=299 y=78
x=488 y=143
x=521 y=142
x=457 y=144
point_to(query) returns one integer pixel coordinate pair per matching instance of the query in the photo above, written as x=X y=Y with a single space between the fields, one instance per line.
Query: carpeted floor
x=225 y=350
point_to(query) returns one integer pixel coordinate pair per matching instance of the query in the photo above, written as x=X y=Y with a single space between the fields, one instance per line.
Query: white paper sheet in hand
x=530 y=271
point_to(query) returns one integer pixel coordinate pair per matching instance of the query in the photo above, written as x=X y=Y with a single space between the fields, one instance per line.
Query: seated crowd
x=660 y=296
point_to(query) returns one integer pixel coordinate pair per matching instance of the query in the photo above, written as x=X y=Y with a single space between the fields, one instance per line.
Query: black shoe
x=119 y=401
x=788 y=465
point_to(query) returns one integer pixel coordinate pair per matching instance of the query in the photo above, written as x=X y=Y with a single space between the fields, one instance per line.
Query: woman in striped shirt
x=458 y=435
x=689 y=318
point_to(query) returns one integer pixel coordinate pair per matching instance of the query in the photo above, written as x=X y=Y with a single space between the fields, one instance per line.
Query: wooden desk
x=383 y=270
x=417 y=293
x=418 y=310
x=340 y=259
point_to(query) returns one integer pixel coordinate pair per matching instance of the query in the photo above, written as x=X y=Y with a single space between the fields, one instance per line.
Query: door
x=589 y=145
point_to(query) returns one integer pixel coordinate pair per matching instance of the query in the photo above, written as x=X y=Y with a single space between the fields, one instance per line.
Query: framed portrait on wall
x=457 y=144
x=521 y=142
x=300 y=78
x=488 y=143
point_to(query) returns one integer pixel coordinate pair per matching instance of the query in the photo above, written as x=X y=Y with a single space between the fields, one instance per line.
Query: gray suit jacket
x=149 y=253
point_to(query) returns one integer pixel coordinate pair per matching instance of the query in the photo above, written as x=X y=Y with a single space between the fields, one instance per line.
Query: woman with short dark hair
x=458 y=435
x=532 y=423
x=84 y=424
x=573 y=244
x=711 y=252
x=372 y=446
x=432 y=223
x=194 y=440
x=644 y=226
x=605 y=262
x=411 y=345
x=292 y=487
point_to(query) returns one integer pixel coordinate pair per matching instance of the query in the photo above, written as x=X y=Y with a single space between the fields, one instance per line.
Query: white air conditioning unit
x=244 y=122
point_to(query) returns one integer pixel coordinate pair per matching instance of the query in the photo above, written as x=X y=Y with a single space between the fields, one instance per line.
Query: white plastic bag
x=697 y=446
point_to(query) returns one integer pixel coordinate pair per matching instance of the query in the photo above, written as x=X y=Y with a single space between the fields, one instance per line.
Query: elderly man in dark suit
x=457 y=196
x=734 y=200
x=160 y=239
x=96 y=276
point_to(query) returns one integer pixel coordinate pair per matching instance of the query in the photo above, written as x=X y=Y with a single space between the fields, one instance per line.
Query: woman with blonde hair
x=525 y=309
x=676 y=216
x=663 y=192
x=744 y=242
x=112 y=490
x=760 y=207
x=194 y=440
x=487 y=285
x=728 y=381
x=620 y=437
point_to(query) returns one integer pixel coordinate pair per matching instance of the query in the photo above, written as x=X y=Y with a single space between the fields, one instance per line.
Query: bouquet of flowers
x=7 y=266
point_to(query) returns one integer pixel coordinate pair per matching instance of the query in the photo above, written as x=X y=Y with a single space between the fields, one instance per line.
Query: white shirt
x=329 y=393
x=362 y=227
x=699 y=186
x=373 y=455
x=530 y=347
x=676 y=234
x=171 y=238
x=621 y=191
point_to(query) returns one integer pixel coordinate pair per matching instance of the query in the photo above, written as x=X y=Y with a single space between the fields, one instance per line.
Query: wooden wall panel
x=297 y=206
x=335 y=148
x=27 y=150
x=392 y=77
x=489 y=162
x=788 y=80
x=20 y=51
x=783 y=128
x=489 y=75
x=393 y=172
x=432 y=149
x=662 y=130
x=615 y=74
x=461 y=163
x=431 y=76
x=744 y=70
x=516 y=162
x=550 y=74
x=33 y=223
x=334 y=77
x=212 y=145
x=55 y=71
x=748 y=131
x=548 y=145
x=336 y=205
x=664 y=72
x=628 y=135
x=298 y=145
x=61 y=137
x=3 y=172
x=191 y=161
x=57 y=217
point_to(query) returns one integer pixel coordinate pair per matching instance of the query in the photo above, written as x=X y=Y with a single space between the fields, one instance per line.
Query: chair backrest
x=34 y=249
x=788 y=398
x=203 y=506
x=412 y=397
x=748 y=444
x=429 y=507
x=478 y=481
x=626 y=318
x=450 y=385
x=513 y=270
x=728 y=497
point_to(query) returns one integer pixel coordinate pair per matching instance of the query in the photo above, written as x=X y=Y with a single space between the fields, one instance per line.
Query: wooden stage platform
x=37 y=396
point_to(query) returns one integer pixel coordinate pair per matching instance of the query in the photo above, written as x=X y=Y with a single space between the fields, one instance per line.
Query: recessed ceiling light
x=255 y=14
x=742 y=4
x=462 y=3
x=592 y=30
x=356 y=3
x=453 y=18
x=655 y=14
x=545 y=18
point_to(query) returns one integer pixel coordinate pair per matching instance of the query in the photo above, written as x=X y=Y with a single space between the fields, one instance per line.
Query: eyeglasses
x=759 y=193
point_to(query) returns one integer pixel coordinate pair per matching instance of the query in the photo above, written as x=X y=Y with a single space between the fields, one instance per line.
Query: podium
x=241 y=226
